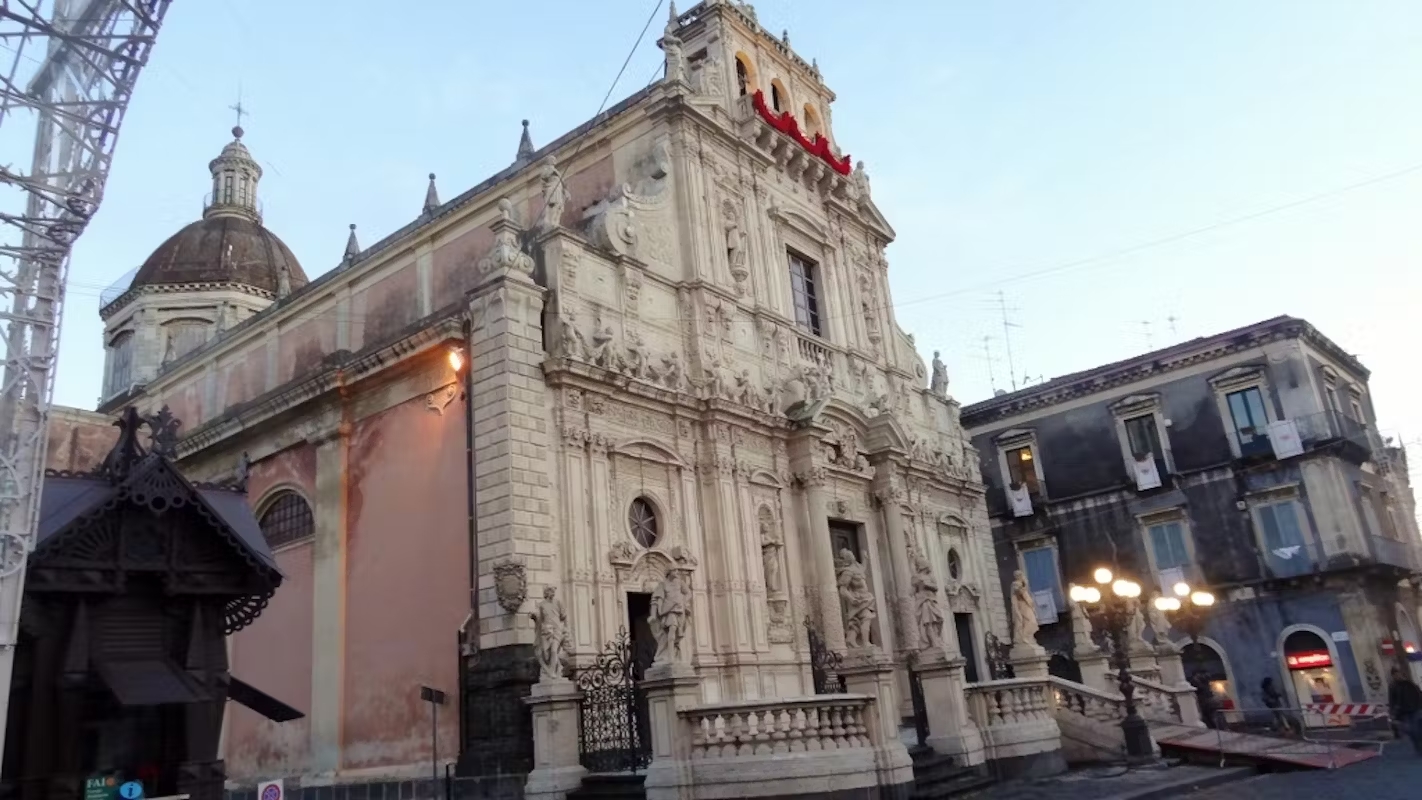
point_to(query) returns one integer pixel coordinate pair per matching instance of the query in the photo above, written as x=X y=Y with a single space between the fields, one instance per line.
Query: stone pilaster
x=328 y=612
x=670 y=688
x=891 y=498
x=870 y=672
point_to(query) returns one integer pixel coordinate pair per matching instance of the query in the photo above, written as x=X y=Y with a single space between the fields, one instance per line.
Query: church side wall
x=274 y=653
x=78 y=439
x=407 y=582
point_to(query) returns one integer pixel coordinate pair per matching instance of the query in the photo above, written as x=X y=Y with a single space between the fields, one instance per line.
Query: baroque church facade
x=662 y=342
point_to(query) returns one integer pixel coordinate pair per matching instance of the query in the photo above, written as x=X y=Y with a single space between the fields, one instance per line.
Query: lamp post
x=1187 y=609
x=1114 y=603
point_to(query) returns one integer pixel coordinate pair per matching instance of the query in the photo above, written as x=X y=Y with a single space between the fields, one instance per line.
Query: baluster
x=837 y=728
x=764 y=725
x=745 y=735
x=994 y=708
x=782 y=731
x=1009 y=705
x=698 y=736
x=860 y=728
x=731 y=735
x=798 y=724
x=814 y=733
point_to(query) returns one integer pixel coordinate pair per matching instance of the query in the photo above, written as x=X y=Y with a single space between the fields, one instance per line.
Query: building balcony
x=1393 y=553
x=1353 y=439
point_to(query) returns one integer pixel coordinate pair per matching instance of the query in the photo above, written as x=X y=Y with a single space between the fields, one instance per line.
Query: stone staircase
x=936 y=776
x=611 y=787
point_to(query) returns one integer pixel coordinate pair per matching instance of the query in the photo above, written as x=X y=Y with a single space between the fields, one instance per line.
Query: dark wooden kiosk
x=136 y=580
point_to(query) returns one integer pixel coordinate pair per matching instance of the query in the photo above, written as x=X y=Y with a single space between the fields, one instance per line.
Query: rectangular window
x=1281 y=536
x=1044 y=579
x=1167 y=544
x=804 y=293
x=1356 y=406
x=1330 y=394
x=1143 y=437
x=1246 y=406
x=1022 y=469
x=845 y=536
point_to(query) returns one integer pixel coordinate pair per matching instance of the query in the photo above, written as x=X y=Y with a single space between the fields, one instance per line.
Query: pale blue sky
x=1003 y=139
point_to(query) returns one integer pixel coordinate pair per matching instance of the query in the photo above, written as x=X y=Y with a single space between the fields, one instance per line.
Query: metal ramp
x=1233 y=748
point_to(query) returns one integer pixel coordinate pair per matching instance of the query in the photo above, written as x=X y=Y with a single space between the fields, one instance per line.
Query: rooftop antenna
x=1145 y=327
x=1172 y=319
x=1007 y=326
x=987 y=354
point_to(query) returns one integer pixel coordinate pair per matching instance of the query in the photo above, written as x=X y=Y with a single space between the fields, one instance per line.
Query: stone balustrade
x=1090 y=721
x=1160 y=703
x=779 y=726
x=1017 y=719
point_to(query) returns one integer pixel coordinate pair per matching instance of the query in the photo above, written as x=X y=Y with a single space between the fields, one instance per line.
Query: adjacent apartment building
x=1248 y=462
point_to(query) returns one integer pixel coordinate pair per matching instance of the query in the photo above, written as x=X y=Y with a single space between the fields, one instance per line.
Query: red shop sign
x=1309 y=659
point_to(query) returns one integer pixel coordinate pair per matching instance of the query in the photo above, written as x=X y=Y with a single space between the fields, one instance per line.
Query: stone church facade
x=671 y=329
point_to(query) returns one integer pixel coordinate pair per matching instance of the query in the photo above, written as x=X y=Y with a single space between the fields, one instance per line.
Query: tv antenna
x=1007 y=326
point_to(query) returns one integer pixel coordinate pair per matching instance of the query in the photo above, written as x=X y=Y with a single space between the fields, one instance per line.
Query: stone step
x=937 y=776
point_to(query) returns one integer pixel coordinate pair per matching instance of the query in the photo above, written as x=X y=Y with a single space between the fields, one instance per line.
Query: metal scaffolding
x=72 y=68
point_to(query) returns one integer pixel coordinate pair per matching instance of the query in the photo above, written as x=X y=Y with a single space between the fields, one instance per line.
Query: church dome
x=223 y=248
x=229 y=244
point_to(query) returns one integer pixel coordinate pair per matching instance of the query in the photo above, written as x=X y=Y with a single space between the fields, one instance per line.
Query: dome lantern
x=235 y=175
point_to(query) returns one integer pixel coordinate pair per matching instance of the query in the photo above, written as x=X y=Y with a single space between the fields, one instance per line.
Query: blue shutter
x=1041 y=568
x=1168 y=542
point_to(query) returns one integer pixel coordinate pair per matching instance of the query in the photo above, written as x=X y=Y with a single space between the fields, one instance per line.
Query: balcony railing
x=1336 y=427
x=1391 y=551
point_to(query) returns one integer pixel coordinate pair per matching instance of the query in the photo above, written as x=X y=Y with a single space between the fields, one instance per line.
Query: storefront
x=1314 y=676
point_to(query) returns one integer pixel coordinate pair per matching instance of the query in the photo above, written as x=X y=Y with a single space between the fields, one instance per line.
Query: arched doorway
x=1205 y=660
x=1314 y=674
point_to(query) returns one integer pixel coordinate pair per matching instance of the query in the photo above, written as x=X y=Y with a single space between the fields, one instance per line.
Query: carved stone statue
x=571 y=342
x=671 y=373
x=671 y=45
x=1135 y=628
x=600 y=352
x=1024 y=611
x=746 y=391
x=634 y=363
x=736 y=250
x=772 y=398
x=670 y=614
x=715 y=382
x=1081 y=629
x=770 y=555
x=860 y=180
x=939 y=385
x=1159 y=625
x=551 y=622
x=555 y=195
x=927 y=611
x=283 y=280
x=856 y=601
x=711 y=80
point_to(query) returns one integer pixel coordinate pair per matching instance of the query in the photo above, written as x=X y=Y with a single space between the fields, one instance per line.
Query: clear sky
x=1107 y=166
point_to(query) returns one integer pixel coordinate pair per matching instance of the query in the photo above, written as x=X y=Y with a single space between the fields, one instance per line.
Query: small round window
x=642 y=518
x=955 y=565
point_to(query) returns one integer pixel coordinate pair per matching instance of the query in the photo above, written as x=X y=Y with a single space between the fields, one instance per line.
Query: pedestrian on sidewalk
x=1274 y=701
x=1404 y=701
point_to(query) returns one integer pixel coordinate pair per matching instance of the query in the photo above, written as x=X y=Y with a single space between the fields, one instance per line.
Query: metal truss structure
x=72 y=66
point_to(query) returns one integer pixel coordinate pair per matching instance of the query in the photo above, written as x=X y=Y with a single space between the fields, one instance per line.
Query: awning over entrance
x=149 y=682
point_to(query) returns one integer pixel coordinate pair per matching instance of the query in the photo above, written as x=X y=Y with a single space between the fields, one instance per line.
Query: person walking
x=1404 y=701
x=1274 y=701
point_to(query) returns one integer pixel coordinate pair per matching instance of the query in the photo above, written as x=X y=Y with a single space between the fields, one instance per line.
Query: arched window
x=642 y=519
x=955 y=565
x=742 y=77
x=287 y=519
x=775 y=96
x=1311 y=670
x=184 y=336
x=812 y=122
x=120 y=363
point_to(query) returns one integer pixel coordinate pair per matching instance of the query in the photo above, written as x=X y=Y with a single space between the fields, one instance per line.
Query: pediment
x=1136 y=401
x=649 y=450
x=766 y=478
x=1237 y=375
x=1014 y=435
x=801 y=222
x=875 y=219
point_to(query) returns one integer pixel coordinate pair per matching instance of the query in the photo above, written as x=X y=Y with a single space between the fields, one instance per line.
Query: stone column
x=328 y=602
x=556 y=770
x=891 y=497
x=951 y=731
x=670 y=688
x=822 y=555
x=870 y=672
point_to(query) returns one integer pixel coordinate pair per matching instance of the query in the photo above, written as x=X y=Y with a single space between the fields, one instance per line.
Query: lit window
x=804 y=293
x=642 y=519
x=1022 y=469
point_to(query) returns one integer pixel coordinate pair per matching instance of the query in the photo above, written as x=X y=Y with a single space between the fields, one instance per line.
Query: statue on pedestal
x=939 y=384
x=858 y=604
x=551 y=622
x=927 y=611
x=671 y=612
x=1024 y=611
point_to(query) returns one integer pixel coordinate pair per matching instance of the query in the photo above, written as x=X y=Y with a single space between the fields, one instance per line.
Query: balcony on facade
x=1353 y=439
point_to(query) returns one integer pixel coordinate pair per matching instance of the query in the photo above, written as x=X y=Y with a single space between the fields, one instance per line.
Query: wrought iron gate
x=824 y=663
x=613 y=735
x=920 y=708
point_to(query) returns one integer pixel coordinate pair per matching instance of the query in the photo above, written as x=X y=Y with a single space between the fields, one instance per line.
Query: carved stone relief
x=438 y=400
x=511 y=583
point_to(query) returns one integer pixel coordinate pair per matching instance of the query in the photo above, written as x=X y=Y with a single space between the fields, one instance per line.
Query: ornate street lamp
x=1187 y=609
x=1114 y=605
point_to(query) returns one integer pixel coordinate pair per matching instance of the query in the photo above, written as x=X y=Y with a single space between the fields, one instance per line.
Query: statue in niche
x=770 y=554
x=939 y=385
x=736 y=249
x=927 y=611
x=600 y=352
x=555 y=195
x=550 y=620
x=746 y=392
x=670 y=613
x=1024 y=611
x=857 y=602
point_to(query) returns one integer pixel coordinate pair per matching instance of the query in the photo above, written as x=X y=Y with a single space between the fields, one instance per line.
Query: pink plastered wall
x=384 y=307
x=242 y=378
x=303 y=345
x=407 y=582
x=274 y=653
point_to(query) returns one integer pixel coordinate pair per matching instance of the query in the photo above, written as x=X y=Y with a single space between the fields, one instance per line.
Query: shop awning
x=149 y=682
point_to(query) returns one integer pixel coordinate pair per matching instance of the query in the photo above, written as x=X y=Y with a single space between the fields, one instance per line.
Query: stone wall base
x=497 y=724
x=1032 y=765
x=508 y=787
